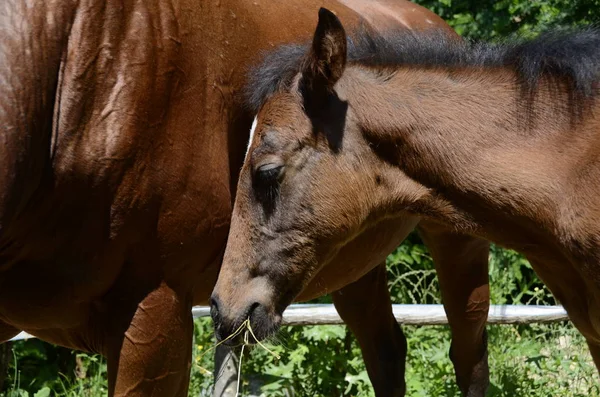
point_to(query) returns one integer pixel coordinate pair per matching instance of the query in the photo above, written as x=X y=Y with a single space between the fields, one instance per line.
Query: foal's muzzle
x=231 y=327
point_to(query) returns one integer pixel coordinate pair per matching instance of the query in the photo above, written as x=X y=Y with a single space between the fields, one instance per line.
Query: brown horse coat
x=123 y=131
x=497 y=141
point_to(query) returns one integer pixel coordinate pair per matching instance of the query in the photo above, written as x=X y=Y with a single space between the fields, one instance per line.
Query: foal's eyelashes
x=265 y=182
x=268 y=167
x=269 y=172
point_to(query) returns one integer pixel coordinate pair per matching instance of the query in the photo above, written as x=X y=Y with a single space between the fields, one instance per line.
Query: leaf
x=356 y=380
x=324 y=332
x=43 y=392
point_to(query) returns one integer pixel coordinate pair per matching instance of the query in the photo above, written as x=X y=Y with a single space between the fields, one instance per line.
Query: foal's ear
x=327 y=59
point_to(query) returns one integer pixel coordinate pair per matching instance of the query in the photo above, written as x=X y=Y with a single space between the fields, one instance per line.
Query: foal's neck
x=464 y=135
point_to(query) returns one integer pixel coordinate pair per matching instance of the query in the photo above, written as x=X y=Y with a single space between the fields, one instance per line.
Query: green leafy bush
x=489 y=19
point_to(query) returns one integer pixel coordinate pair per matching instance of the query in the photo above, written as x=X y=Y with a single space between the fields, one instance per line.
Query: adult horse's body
x=122 y=138
x=498 y=141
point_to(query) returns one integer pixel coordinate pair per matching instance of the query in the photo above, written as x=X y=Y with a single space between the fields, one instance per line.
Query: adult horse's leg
x=150 y=353
x=7 y=332
x=366 y=308
x=461 y=263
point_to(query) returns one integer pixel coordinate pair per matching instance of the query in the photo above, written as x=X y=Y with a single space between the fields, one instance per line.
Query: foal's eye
x=267 y=175
x=266 y=185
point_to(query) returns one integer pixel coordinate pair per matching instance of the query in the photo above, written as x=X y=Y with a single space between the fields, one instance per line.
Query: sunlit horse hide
x=497 y=141
x=123 y=133
x=354 y=270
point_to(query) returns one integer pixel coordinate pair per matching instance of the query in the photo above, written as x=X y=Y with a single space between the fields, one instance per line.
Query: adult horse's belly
x=359 y=256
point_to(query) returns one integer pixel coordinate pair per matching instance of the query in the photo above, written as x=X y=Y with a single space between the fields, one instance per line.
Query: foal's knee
x=586 y=318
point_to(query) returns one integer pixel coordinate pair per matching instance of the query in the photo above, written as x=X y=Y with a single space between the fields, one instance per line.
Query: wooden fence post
x=226 y=372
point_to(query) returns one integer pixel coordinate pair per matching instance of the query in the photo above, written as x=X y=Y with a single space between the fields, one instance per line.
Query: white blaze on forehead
x=251 y=136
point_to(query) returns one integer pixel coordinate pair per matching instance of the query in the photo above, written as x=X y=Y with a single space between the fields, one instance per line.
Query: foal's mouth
x=247 y=334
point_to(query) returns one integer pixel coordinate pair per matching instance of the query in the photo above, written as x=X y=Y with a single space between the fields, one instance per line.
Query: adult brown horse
x=498 y=141
x=122 y=138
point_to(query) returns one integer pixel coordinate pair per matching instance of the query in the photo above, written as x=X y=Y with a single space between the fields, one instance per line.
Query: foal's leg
x=577 y=295
x=149 y=355
x=462 y=267
x=365 y=306
x=584 y=313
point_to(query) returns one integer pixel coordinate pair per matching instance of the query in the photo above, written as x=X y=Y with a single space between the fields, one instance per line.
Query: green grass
x=536 y=360
x=539 y=360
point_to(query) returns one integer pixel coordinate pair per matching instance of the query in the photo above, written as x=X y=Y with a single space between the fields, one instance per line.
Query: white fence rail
x=323 y=314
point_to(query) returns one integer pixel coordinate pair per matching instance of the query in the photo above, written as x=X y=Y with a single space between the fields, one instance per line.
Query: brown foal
x=496 y=141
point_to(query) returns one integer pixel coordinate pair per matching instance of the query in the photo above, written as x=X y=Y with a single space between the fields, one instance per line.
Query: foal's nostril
x=252 y=309
x=260 y=320
x=214 y=308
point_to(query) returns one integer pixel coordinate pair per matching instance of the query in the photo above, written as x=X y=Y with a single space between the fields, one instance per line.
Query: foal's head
x=308 y=186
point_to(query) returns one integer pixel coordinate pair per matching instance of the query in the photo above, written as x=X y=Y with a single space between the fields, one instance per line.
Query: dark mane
x=570 y=57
